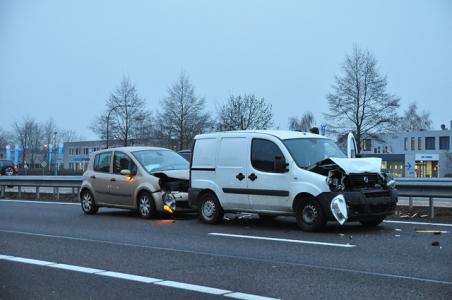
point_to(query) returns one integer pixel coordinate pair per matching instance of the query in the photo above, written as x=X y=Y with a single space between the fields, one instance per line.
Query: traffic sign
x=408 y=165
x=43 y=164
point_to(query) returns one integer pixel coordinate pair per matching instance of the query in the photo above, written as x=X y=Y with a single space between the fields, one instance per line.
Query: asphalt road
x=54 y=251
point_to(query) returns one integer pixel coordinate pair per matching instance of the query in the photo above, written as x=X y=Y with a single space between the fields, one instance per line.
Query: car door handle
x=112 y=179
x=92 y=177
x=240 y=176
x=252 y=177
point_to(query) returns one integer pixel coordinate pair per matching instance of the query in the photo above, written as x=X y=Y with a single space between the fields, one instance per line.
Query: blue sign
x=50 y=154
x=60 y=153
x=8 y=152
x=408 y=166
x=16 y=154
x=323 y=129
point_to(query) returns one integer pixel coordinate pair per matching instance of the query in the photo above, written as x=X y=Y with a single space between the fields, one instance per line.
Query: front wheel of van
x=210 y=210
x=310 y=216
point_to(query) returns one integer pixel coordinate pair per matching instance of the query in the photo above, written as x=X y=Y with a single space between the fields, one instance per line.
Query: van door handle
x=92 y=177
x=252 y=177
x=240 y=176
x=113 y=179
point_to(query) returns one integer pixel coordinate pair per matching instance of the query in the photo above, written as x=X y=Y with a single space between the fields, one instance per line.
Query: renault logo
x=366 y=180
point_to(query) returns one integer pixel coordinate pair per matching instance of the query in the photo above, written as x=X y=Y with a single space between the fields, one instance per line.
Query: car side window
x=122 y=161
x=263 y=153
x=102 y=162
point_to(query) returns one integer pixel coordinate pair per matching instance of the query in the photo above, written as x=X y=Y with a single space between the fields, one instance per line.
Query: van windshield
x=160 y=160
x=308 y=151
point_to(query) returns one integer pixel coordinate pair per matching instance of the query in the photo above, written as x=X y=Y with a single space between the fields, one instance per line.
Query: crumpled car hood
x=358 y=165
x=176 y=174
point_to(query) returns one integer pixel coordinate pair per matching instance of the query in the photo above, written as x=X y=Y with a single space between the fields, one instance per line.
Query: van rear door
x=231 y=169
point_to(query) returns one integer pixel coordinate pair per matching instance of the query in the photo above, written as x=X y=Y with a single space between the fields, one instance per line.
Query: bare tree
x=414 y=121
x=247 y=112
x=29 y=137
x=359 y=101
x=125 y=113
x=304 y=123
x=183 y=114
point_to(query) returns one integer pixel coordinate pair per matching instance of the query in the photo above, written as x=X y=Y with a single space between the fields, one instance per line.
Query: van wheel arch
x=309 y=212
x=300 y=198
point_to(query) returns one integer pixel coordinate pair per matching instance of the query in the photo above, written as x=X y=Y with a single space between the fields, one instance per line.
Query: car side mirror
x=280 y=165
x=126 y=172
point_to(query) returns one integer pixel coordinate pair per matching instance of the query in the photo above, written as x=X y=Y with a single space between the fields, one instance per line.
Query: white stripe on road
x=418 y=223
x=282 y=240
x=143 y=279
x=129 y=277
x=194 y=287
x=38 y=202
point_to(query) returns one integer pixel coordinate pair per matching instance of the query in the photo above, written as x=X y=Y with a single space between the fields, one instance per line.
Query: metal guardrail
x=56 y=182
x=407 y=187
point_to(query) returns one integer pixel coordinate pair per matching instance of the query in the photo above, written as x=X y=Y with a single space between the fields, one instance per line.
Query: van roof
x=281 y=134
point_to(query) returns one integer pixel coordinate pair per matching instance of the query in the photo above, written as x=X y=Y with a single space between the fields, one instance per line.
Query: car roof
x=281 y=134
x=131 y=149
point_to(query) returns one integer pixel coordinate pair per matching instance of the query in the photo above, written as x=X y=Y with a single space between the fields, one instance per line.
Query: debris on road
x=398 y=229
x=435 y=232
x=397 y=235
x=435 y=244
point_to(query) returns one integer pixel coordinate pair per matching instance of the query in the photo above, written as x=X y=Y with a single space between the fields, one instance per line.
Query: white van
x=275 y=173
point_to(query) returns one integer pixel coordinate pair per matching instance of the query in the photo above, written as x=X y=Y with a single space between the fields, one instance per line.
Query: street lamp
x=108 y=117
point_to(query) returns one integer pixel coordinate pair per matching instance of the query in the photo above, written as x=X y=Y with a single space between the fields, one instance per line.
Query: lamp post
x=56 y=158
x=108 y=117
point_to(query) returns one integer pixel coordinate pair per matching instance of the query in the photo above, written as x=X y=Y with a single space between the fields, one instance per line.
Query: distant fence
x=407 y=187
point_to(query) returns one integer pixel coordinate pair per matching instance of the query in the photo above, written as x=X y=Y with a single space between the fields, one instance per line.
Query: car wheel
x=89 y=207
x=310 y=216
x=9 y=171
x=146 y=205
x=371 y=222
x=210 y=211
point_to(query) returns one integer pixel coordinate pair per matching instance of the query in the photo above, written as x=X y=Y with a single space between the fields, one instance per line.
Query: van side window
x=102 y=162
x=122 y=161
x=263 y=153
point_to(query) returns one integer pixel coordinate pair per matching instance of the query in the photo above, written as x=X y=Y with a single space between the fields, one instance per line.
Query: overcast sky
x=61 y=59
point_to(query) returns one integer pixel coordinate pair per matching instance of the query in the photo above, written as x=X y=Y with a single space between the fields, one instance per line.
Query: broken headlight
x=389 y=181
x=338 y=207
x=335 y=181
x=169 y=202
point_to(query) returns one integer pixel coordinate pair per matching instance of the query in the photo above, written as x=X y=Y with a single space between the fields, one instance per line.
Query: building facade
x=413 y=154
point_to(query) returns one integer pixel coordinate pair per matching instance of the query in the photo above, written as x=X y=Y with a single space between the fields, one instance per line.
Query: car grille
x=363 y=180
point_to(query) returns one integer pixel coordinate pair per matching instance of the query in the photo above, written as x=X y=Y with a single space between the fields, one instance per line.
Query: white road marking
x=76 y=268
x=417 y=223
x=282 y=240
x=244 y=296
x=193 y=287
x=129 y=277
x=39 y=202
x=144 y=279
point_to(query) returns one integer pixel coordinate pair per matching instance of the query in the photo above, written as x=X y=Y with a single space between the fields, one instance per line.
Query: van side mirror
x=280 y=165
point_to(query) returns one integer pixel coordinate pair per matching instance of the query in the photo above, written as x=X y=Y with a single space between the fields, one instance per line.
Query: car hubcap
x=145 y=206
x=208 y=209
x=9 y=171
x=309 y=214
x=87 y=202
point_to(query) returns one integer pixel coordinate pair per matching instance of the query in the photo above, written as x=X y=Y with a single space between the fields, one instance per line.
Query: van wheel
x=146 y=206
x=371 y=222
x=89 y=207
x=310 y=216
x=210 y=210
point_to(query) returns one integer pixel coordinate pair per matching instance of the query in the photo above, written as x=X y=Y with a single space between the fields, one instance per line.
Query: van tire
x=210 y=210
x=146 y=205
x=310 y=216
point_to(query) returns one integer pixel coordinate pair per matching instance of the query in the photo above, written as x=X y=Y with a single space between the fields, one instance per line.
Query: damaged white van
x=275 y=173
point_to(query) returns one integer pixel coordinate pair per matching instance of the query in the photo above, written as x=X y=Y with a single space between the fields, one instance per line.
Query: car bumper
x=362 y=205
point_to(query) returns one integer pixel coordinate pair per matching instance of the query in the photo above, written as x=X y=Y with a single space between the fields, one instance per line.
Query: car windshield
x=308 y=151
x=160 y=160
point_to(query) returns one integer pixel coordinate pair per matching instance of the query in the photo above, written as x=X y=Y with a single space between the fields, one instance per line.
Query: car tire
x=146 y=205
x=371 y=222
x=210 y=210
x=87 y=202
x=310 y=216
x=8 y=171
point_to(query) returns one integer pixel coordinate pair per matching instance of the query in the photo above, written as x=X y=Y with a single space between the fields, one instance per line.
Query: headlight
x=390 y=182
x=339 y=208
x=169 y=202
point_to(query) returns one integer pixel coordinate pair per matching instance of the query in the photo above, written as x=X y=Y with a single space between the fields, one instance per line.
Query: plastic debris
x=435 y=232
x=397 y=235
x=398 y=229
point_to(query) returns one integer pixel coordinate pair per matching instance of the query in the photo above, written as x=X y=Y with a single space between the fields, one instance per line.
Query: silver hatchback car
x=148 y=179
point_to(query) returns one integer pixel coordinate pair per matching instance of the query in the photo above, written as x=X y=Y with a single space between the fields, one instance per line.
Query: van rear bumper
x=362 y=205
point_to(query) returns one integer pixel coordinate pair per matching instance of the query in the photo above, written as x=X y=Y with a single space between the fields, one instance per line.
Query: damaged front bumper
x=360 y=205
x=171 y=201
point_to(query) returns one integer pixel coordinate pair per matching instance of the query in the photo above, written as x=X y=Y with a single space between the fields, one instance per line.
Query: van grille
x=363 y=180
